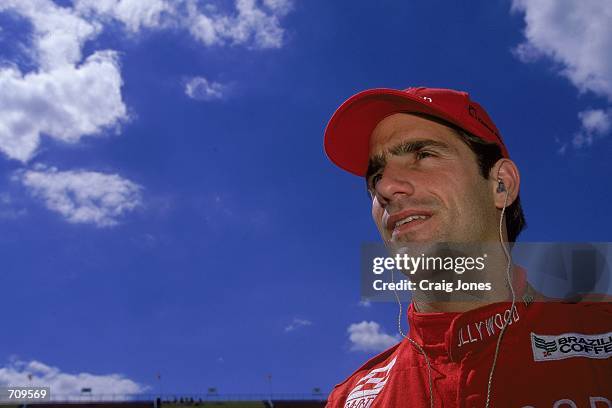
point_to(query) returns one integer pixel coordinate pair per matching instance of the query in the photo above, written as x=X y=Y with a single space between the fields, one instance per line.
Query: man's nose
x=394 y=184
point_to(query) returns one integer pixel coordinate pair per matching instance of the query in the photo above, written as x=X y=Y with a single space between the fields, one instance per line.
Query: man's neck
x=460 y=301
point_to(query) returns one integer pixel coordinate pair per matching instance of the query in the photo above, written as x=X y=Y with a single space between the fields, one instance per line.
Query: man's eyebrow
x=379 y=161
x=416 y=145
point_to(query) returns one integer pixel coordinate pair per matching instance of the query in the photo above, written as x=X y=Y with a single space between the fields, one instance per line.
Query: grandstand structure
x=176 y=402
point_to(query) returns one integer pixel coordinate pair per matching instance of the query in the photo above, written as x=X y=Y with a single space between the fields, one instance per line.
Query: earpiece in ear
x=501 y=187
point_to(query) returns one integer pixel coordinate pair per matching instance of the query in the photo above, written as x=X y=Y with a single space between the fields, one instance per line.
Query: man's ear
x=504 y=178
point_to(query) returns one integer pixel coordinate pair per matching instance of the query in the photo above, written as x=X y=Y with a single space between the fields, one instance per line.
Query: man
x=438 y=171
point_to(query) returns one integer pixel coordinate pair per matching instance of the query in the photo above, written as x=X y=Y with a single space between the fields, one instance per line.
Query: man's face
x=426 y=184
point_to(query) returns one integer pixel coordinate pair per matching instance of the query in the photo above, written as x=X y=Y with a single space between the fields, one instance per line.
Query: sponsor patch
x=369 y=386
x=566 y=345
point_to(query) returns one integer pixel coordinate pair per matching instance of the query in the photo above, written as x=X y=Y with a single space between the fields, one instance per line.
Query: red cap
x=347 y=136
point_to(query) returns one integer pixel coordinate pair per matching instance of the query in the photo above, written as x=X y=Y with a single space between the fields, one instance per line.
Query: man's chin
x=414 y=247
x=414 y=238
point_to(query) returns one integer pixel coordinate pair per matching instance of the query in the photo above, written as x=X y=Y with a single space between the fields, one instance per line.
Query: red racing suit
x=552 y=354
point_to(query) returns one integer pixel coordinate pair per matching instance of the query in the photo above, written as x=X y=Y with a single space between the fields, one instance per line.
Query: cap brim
x=347 y=135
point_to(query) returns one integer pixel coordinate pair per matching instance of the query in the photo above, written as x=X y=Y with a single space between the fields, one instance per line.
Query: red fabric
x=461 y=349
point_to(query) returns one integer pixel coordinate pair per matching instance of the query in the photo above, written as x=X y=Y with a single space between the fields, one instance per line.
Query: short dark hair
x=487 y=154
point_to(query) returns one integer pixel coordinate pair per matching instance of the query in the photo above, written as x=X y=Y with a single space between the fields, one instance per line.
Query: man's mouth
x=403 y=222
x=410 y=219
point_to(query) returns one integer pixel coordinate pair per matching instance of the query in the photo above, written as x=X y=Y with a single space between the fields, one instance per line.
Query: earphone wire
x=507 y=320
x=501 y=333
x=414 y=343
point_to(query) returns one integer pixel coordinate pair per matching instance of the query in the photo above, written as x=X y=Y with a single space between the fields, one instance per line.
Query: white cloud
x=365 y=303
x=595 y=123
x=575 y=34
x=201 y=89
x=134 y=14
x=297 y=323
x=64 y=384
x=250 y=23
x=9 y=209
x=83 y=196
x=64 y=103
x=58 y=34
x=281 y=7
x=65 y=98
x=367 y=336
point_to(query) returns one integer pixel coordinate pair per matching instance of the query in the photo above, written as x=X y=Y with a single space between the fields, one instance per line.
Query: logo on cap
x=474 y=113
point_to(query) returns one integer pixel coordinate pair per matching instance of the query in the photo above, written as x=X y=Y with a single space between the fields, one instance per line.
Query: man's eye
x=375 y=179
x=423 y=154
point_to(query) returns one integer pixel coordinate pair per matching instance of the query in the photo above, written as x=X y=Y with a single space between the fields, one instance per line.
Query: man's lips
x=405 y=220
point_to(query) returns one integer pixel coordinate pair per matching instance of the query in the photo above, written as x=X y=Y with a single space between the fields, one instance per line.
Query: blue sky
x=166 y=205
